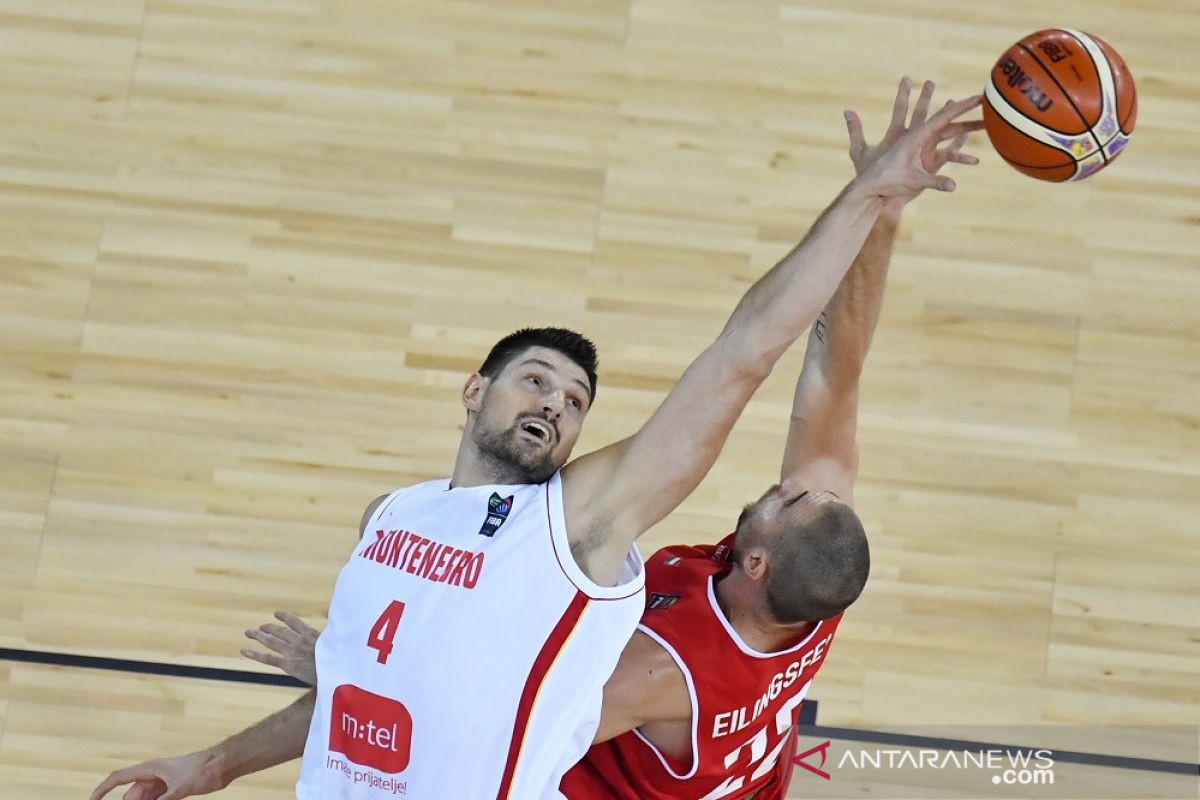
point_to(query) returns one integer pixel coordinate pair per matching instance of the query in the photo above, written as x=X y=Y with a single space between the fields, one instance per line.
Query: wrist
x=864 y=192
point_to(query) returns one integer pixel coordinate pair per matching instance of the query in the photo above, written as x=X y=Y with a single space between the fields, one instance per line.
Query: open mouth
x=539 y=429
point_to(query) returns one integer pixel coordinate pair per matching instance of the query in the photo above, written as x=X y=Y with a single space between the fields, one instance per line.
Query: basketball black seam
x=1086 y=126
x=1037 y=122
x=1072 y=161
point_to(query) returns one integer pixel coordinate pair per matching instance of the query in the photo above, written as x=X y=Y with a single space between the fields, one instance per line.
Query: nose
x=553 y=402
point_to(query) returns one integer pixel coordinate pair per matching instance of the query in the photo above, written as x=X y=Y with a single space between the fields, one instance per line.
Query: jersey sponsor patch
x=660 y=600
x=498 y=508
x=370 y=730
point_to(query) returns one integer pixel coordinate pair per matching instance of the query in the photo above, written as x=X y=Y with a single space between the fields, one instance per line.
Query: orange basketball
x=1060 y=105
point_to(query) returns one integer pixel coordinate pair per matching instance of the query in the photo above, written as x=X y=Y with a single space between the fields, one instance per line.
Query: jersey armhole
x=633 y=571
x=691 y=686
x=377 y=514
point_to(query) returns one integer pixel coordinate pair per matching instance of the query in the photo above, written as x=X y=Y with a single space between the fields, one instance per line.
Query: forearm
x=842 y=334
x=276 y=739
x=787 y=300
x=821 y=444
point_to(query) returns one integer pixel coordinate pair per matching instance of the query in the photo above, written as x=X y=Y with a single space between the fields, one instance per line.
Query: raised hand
x=165 y=778
x=295 y=645
x=907 y=160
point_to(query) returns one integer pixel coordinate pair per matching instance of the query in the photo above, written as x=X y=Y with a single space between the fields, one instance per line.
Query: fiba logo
x=498 y=508
x=370 y=730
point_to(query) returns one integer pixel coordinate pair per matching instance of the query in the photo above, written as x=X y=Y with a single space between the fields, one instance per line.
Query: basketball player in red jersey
x=762 y=343
x=704 y=701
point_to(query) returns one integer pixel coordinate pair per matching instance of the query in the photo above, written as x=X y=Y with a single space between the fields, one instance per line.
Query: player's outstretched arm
x=616 y=493
x=822 y=451
x=276 y=739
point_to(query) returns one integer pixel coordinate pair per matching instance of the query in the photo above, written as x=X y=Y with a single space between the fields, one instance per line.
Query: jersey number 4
x=383 y=632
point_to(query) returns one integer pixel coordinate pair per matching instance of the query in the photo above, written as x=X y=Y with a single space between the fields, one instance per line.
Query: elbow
x=755 y=370
x=750 y=359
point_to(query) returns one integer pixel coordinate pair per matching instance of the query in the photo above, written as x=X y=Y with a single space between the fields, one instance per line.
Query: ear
x=472 y=392
x=754 y=562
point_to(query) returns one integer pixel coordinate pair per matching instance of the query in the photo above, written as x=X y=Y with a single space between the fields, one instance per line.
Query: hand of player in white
x=907 y=160
x=164 y=779
x=295 y=645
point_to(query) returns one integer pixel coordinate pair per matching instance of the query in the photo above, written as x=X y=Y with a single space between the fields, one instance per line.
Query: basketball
x=1060 y=105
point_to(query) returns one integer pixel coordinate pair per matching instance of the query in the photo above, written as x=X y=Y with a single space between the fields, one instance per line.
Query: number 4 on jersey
x=383 y=632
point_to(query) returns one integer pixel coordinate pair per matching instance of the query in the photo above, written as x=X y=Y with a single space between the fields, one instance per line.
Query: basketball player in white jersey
x=469 y=640
x=741 y=625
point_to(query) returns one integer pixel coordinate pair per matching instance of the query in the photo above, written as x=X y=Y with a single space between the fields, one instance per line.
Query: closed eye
x=796 y=499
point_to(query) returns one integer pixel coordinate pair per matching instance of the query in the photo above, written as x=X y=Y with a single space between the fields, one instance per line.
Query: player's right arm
x=614 y=494
x=276 y=739
x=646 y=687
x=822 y=449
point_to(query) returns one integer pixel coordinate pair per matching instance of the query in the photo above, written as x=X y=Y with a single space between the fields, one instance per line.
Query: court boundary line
x=808 y=716
x=148 y=667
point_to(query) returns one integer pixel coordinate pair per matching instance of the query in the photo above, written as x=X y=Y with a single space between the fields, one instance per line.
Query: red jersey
x=745 y=704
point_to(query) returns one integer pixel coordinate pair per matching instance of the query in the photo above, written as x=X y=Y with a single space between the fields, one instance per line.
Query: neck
x=736 y=595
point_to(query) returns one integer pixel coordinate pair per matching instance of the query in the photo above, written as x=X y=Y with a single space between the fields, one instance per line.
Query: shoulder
x=684 y=567
x=648 y=678
x=372 y=507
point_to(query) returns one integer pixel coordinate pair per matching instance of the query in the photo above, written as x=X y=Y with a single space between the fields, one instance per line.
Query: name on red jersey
x=733 y=721
x=425 y=558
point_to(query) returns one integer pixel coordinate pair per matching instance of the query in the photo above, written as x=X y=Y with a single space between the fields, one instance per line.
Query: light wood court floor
x=249 y=250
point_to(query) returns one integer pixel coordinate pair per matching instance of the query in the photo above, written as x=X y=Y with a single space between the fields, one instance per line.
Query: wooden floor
x=249 y=250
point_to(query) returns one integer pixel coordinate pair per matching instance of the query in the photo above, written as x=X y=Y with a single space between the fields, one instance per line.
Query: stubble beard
x=508 y=460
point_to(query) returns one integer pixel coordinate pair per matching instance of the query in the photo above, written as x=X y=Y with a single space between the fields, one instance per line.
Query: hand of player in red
x=906 y=161
x=296 y=647
x=165 y=779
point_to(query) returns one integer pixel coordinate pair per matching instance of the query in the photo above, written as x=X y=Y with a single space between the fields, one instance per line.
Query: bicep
x=627 y=489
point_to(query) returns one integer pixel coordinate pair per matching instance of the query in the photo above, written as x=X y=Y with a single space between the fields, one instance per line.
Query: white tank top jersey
x=466 y=652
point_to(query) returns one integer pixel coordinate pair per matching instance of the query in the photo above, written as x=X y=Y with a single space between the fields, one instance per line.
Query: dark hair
x=571 y=344
x=819 y=568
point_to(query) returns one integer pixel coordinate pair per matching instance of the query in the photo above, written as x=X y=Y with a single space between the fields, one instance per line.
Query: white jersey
x=466 y=652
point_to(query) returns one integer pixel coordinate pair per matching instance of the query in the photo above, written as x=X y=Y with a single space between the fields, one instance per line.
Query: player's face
x=531 y=414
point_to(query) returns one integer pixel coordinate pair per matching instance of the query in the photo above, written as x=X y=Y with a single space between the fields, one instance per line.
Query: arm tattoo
x=821 y=326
